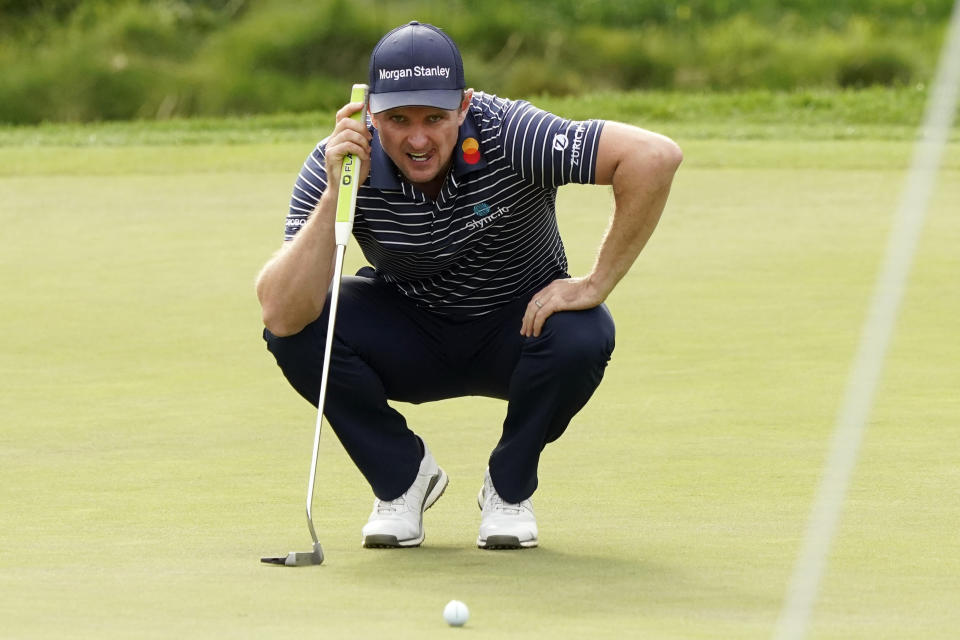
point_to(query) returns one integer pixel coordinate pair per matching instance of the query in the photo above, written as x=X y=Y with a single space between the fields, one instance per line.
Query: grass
x=867 y=114
x=151 y=451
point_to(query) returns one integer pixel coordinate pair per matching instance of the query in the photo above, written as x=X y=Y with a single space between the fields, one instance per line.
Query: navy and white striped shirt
x=491 y=235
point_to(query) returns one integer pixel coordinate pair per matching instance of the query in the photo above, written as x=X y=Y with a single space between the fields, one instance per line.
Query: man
x=468 y=292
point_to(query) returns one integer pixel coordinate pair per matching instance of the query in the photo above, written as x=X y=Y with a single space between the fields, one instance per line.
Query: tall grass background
x=94 y=60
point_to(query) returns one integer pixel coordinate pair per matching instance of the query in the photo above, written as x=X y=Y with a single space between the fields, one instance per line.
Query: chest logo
x=471 y=151
x=485 y=218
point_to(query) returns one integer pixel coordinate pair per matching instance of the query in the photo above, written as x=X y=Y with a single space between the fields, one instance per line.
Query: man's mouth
x=419 y=157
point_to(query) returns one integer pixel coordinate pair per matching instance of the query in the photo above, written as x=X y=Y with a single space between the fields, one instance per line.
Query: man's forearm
x=640 y=196
x=292 y=286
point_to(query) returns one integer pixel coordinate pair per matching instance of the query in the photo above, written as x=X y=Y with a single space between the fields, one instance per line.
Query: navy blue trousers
x=385 y=348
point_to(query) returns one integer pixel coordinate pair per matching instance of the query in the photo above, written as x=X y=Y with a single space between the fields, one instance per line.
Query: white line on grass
x=865 y=373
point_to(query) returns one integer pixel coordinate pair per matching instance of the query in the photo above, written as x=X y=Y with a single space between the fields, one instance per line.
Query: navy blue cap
x=416 y=65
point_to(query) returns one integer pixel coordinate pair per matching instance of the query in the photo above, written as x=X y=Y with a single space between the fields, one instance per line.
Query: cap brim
x=448 y=99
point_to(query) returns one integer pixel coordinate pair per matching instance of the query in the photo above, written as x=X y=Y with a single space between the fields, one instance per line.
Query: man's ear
x=464 y=105
x=373 y=118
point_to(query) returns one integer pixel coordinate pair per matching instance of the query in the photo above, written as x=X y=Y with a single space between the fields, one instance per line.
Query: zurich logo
x=560 y=142
x=481 y=210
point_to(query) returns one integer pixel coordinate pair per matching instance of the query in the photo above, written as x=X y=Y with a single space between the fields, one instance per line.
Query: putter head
x=298 y=558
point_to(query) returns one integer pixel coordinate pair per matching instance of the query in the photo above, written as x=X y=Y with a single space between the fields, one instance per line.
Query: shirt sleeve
x=310 y=185
x=548 y=150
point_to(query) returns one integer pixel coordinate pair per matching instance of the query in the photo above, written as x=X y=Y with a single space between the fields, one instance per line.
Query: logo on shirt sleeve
x=561 y=142
x=471 y=151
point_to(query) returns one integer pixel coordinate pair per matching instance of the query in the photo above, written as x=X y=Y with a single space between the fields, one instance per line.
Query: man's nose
x=417 y=138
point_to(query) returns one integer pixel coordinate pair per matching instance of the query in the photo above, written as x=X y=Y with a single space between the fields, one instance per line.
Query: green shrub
x=875 y=65
x=622 y=58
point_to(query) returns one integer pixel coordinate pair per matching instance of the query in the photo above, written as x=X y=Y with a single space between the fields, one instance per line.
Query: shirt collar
x=467 y=157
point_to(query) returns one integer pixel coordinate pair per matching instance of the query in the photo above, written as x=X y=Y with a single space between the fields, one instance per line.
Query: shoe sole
x=383 y=541
x=505 y=543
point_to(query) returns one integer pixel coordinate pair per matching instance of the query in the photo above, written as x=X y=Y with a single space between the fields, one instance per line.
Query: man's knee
x=581 y=339
x=299 y=357
x=290 y=348
x=305 y=345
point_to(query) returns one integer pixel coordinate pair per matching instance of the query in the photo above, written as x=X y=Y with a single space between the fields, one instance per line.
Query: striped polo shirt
x=491 y=234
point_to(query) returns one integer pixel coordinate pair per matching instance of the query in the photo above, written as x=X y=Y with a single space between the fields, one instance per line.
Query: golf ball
x=456 y=613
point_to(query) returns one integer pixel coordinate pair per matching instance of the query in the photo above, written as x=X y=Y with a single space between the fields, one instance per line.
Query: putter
x=346 y=205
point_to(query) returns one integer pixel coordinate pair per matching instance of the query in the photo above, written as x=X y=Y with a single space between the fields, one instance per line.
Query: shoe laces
x=500 y=505
x=391 y=506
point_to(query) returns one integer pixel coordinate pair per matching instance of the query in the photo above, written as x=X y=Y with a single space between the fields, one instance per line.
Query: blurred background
x=95 y=60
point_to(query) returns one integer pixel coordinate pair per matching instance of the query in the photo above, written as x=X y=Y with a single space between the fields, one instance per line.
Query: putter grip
x=349 y=172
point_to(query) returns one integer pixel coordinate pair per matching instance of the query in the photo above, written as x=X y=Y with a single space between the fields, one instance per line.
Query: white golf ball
x=456 y=613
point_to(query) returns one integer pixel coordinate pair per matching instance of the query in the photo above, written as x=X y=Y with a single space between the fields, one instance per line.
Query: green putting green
x=151 y=453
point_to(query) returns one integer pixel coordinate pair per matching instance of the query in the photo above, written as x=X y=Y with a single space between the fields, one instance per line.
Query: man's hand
x=349 y=136
x=567 y=294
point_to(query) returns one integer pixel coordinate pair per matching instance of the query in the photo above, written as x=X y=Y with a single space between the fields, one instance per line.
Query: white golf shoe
x=399 y=523
x=504 y=525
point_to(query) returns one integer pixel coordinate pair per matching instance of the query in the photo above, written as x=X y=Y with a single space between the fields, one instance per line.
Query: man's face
x=420 y=140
